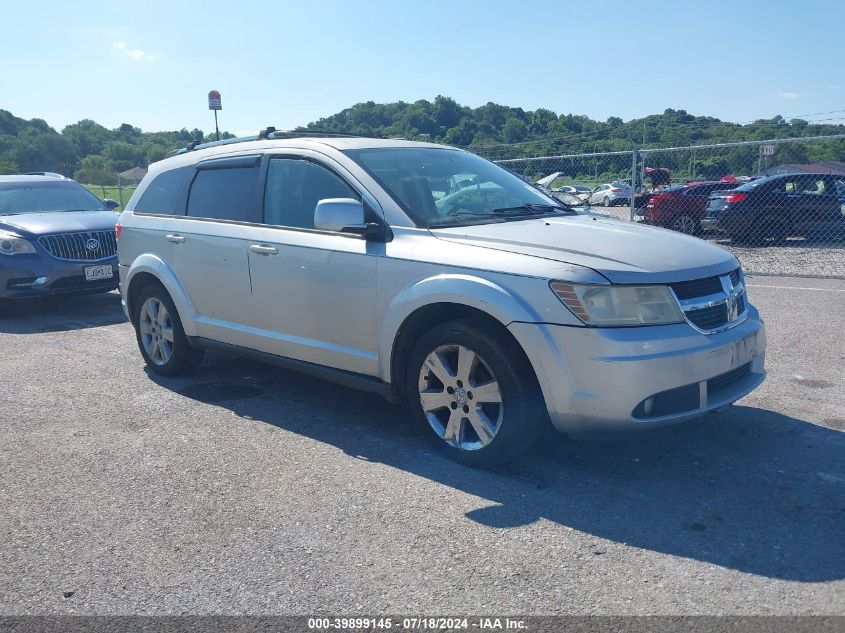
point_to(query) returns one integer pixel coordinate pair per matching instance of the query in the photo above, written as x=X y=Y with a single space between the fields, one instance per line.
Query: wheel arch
x=437 y=300
x=148 y=269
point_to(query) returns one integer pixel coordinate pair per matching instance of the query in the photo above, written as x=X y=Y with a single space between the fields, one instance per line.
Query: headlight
x=11 y=245
x=619 y=306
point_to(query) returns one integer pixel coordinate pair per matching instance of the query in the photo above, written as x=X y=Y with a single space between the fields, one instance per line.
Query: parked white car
x=609 y=195
x=487 y=306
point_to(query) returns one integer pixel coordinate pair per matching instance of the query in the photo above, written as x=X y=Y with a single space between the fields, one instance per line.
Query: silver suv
x=425 y=273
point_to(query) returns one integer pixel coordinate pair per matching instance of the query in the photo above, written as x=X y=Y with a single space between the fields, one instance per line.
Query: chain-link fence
x=778 y=204
x=118 y=192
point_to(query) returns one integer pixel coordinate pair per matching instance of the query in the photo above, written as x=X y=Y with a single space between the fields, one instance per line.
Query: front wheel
x=160 y=336
x=474 y=391
x=606 y=201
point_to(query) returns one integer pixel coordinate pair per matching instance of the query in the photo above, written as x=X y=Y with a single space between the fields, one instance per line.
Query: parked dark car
x=776 y=207
x=681 y=207
x=56 y=237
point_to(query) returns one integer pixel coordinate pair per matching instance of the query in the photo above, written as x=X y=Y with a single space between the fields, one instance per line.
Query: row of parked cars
x=413 y=271
x=762 y=210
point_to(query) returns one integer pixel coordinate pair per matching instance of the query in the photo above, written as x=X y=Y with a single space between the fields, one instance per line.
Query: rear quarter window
x=166 y=193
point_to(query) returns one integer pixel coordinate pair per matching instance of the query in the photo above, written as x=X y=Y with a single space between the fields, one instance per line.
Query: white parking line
x=797 y=288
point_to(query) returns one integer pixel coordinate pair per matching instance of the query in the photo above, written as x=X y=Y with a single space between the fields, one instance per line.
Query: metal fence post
x=633 y=181
x=120 y=191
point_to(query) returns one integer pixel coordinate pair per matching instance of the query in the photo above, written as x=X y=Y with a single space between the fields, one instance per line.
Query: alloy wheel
x=156 y=328
x=460 y=397
x=684 y=224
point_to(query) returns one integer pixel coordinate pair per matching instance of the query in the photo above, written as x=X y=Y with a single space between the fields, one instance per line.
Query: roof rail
x=268 y=133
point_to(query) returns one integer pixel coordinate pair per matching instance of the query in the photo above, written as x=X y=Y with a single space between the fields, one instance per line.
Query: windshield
x=442 y=187
x=41 y=196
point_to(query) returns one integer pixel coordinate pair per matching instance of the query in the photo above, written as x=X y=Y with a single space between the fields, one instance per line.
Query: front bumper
x=599 y=379
x=32 y=276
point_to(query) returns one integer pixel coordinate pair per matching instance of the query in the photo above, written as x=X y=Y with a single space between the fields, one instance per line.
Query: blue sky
x=286 y=63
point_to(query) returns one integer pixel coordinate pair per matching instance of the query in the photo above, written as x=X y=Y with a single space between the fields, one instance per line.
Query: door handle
x=175 y=238
x=263 y=249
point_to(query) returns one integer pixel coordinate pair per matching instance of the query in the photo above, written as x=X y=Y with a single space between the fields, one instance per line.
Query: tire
x=165 y=354
x=496 y=423
x=685 y=224
x=607 y=202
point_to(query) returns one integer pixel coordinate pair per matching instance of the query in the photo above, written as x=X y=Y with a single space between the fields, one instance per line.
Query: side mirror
x=345 y=215
x=111 y=204
x=339 y=214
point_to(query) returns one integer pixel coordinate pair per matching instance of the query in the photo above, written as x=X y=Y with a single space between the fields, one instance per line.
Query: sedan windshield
x=42 y=196
x=445 y=187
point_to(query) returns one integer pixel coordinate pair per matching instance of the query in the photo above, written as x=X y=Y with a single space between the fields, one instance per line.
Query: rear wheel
x=685 y=224
x=160 y=336
x=475 y=393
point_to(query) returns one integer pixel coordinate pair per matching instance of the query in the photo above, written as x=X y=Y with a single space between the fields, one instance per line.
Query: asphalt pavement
x=247 y=489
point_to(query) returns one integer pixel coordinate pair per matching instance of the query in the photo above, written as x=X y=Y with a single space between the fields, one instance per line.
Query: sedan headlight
x=11 y=245
x=619 y=306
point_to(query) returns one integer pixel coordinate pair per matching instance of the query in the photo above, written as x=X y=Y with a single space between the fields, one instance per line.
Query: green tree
x=514 y=131
x=121 y=155
x=8 y=166
x=37 y=151
x=94 y=170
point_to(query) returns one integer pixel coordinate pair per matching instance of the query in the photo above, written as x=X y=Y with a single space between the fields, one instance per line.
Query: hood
x=59 y=222
x=624 y=252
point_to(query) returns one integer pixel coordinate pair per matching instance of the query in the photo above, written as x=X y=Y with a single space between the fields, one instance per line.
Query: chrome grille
x=713 y=304
x=86 y=246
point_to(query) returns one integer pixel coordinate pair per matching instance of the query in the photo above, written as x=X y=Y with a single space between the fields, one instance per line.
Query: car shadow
x=62 y=313
x=746 y=489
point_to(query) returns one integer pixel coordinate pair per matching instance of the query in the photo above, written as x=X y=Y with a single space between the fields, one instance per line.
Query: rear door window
x=225 y=193
x=815 y=186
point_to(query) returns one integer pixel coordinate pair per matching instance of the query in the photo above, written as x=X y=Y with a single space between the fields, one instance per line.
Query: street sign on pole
x=768 y=150
x=214 y=103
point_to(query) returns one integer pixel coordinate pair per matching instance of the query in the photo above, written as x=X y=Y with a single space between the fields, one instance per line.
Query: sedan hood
x=59 y=222
x=623 y=252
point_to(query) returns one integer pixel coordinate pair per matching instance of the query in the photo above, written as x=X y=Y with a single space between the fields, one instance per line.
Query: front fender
x=156 y=267
x=467 y=290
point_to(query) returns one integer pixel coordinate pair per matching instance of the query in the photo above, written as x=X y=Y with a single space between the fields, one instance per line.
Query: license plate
x=744 y=351
x=97 y=273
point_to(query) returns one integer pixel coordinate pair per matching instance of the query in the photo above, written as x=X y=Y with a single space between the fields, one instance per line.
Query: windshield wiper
x=532 y=208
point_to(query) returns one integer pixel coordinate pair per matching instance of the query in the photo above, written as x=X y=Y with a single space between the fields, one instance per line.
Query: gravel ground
x=795 y=257
x=247 y=489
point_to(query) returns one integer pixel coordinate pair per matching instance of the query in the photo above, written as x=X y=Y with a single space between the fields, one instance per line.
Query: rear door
x=208 y=247
x=819 y=211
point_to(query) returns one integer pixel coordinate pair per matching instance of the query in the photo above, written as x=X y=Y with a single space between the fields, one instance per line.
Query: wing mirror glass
x=111 y=204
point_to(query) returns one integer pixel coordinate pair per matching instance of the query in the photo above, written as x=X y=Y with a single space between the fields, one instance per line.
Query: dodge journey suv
x=428 y=274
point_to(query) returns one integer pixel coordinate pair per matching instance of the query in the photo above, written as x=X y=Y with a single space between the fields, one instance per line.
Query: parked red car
x=681 y=207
